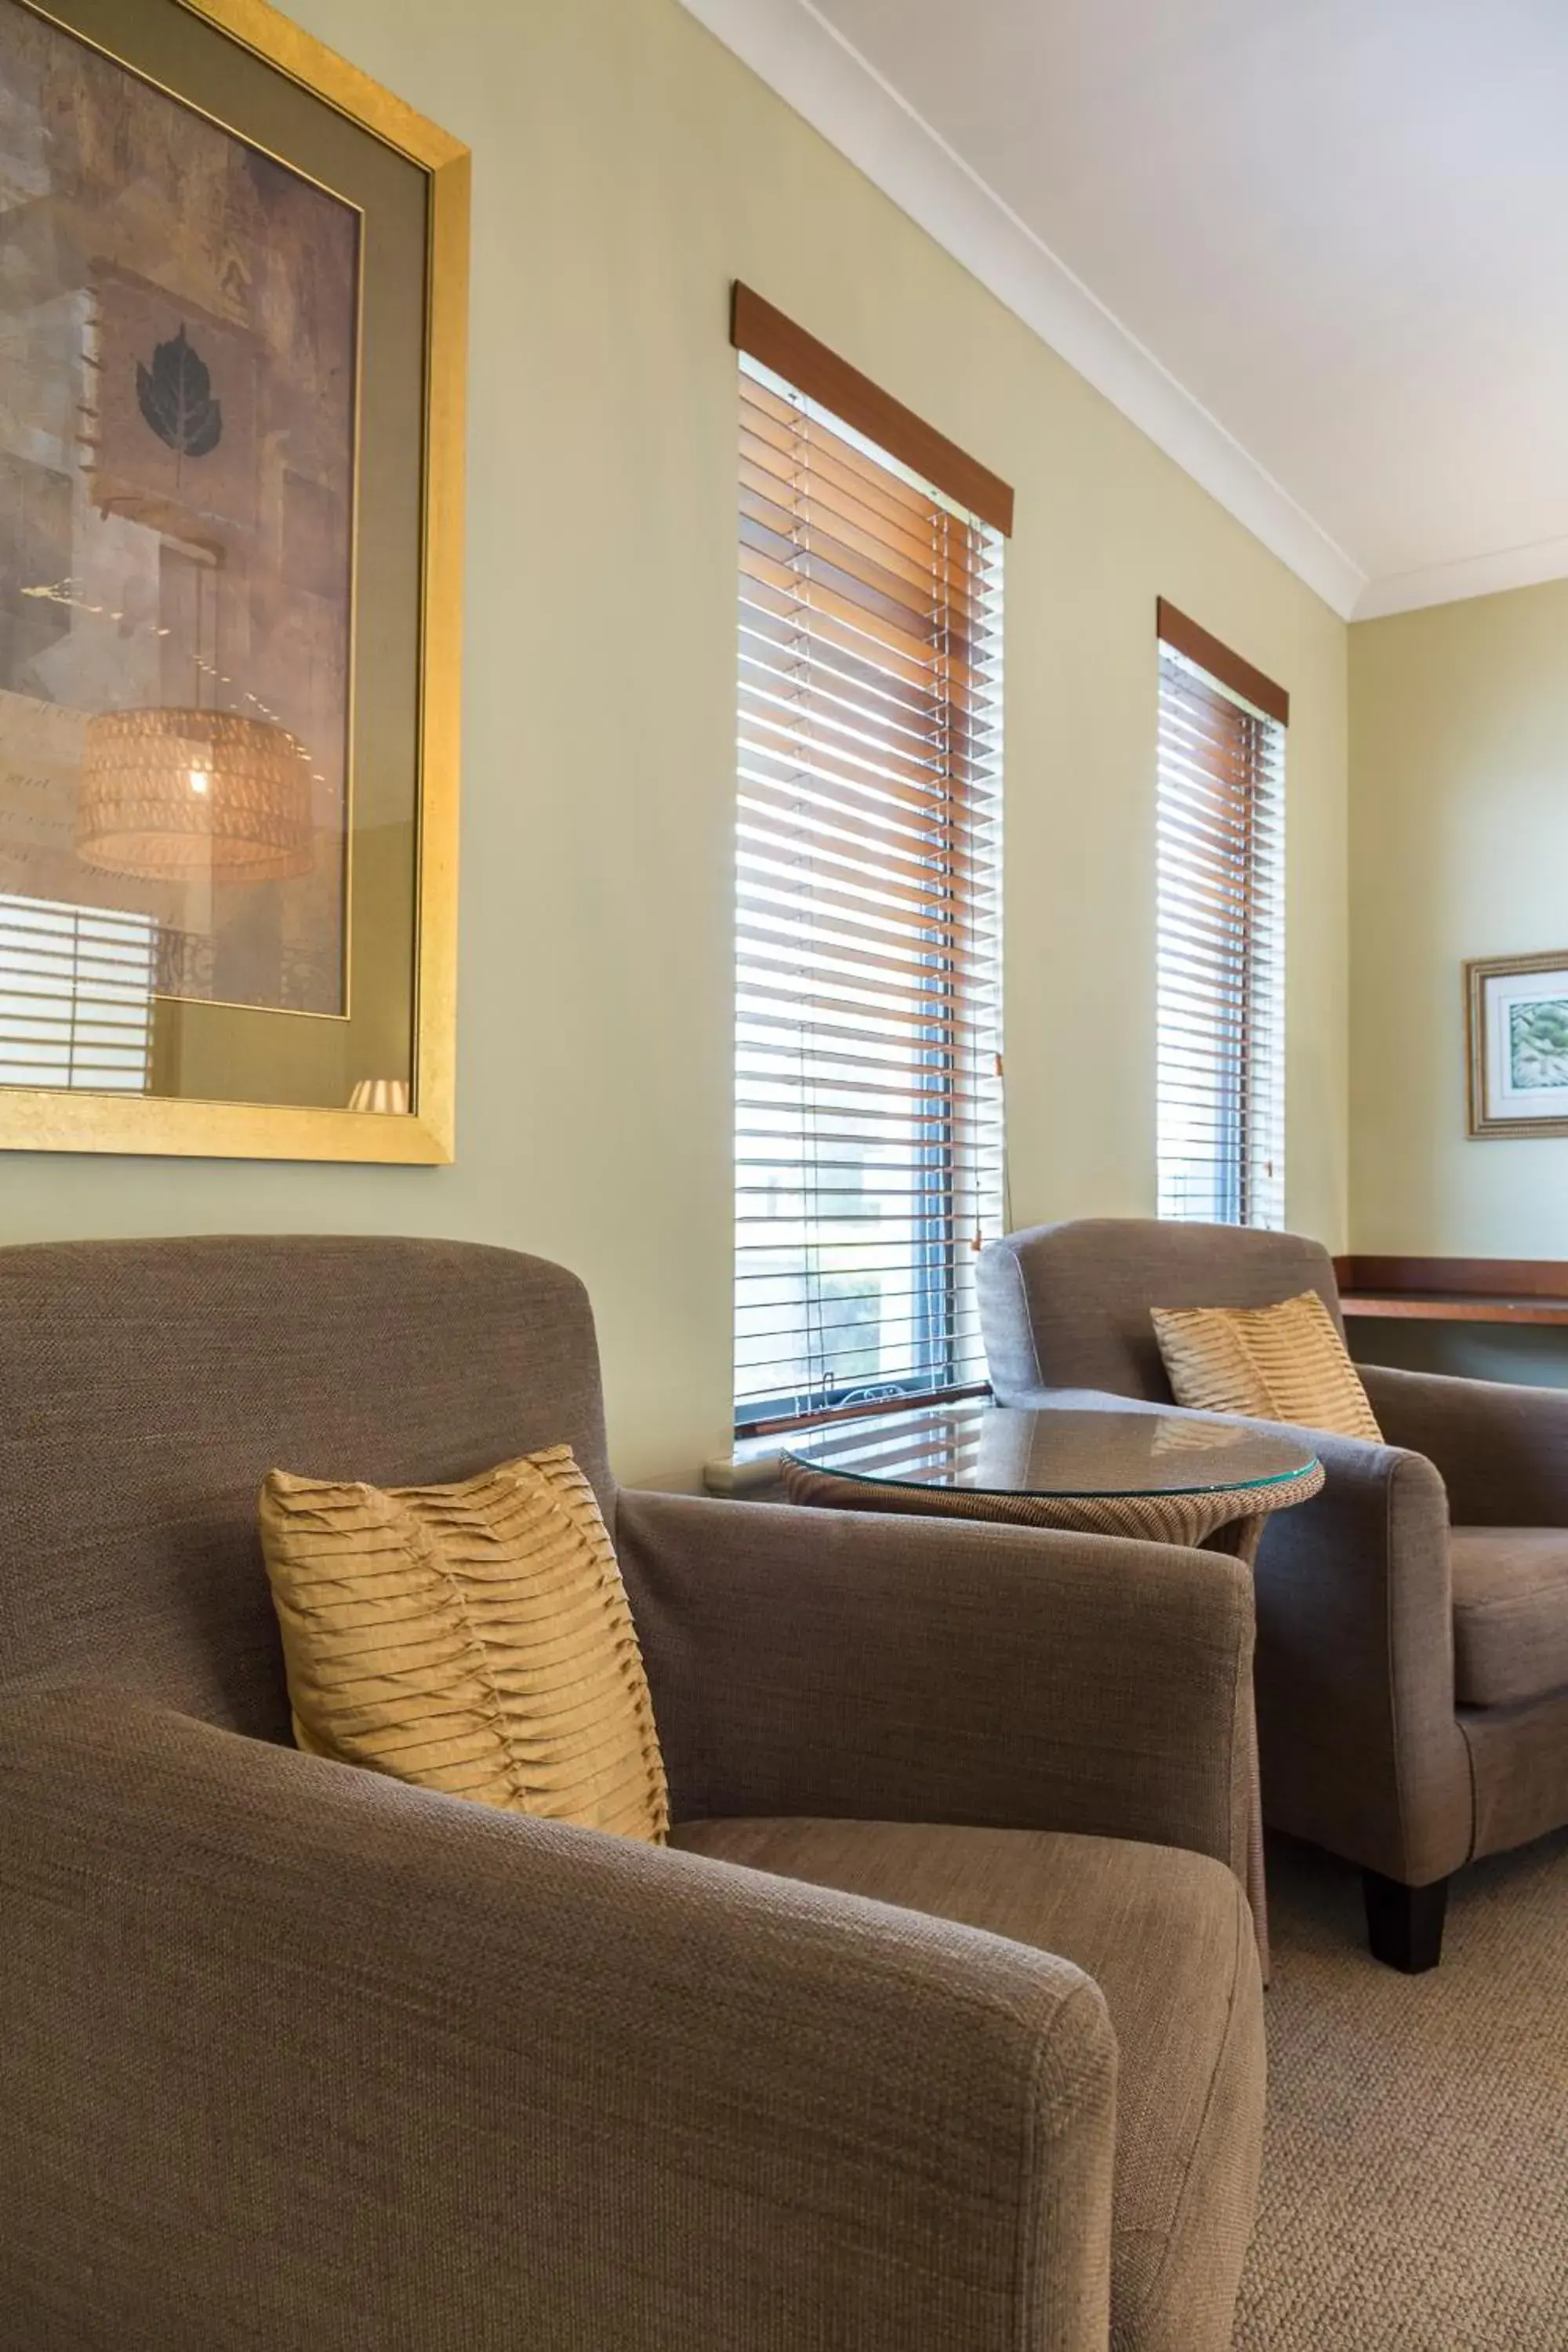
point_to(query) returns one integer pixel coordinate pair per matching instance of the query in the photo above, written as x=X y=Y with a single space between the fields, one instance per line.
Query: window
x=1221 y=936
x=76 y=996
x=868 y=1041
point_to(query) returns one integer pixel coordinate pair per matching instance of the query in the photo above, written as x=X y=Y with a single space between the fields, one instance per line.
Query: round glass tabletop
x=989 y=1449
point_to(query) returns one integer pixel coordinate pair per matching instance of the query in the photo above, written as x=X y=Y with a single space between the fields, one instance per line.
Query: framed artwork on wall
x=233 y=284
x=1517 y=1015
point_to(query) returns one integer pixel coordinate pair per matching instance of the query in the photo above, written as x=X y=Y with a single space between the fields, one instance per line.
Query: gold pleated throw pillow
x=473 y=1638
x=1277 y=1364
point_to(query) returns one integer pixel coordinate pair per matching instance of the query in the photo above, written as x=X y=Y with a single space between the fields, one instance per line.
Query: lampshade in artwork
x=381 y=1094
x=171 y=794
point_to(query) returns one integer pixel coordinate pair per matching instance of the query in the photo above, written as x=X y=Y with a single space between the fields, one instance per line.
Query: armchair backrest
x=1067 y=1305
x=146 y=1388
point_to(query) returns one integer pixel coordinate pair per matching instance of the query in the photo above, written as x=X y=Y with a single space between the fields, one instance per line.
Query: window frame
x=794 y=367
x=1244 y=1165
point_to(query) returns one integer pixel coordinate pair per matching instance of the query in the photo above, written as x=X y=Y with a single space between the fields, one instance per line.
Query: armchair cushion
x=1168 y=1938
x=1510 y=1613
x=1286 y=1362
x=471 y=1637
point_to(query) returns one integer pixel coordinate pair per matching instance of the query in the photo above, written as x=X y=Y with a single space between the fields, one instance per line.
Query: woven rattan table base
x=1192 y=1518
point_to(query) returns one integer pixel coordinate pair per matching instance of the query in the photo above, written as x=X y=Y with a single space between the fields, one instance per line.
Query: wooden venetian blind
x=1221 y=945
x=869 y=1111
x=76 y=996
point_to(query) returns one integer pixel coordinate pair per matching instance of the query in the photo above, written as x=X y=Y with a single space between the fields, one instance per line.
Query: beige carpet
x=1415 y=2170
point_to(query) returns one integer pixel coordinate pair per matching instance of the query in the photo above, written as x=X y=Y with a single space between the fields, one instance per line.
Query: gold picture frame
x=404 y=1078
x=1516 y=1021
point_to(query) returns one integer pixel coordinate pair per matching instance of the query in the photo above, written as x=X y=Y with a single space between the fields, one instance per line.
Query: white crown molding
x=1469 y=576
x=814 y=71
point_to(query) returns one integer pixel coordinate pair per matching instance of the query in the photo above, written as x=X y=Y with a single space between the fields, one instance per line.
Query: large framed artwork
x=232 y=326
x=1517 y=1016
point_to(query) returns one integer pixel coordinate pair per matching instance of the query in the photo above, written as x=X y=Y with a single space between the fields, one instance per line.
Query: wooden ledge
x=1455 y=1289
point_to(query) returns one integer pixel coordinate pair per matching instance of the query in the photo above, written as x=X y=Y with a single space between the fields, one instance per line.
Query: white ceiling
x=1316 y=248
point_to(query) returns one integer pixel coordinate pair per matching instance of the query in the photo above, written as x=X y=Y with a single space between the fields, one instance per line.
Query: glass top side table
x=1163 y=1477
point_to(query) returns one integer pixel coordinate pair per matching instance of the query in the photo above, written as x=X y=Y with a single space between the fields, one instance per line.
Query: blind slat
x=826 y=507
x=772 y=609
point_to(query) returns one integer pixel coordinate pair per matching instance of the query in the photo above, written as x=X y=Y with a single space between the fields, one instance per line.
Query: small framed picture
x=1517 y=1009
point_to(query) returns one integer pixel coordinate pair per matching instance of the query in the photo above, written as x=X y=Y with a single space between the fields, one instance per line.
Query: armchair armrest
x=1362 y=1749
x=1503 y=1451
x=1360 y=1746
x=296 y=2055
x=844 y=1663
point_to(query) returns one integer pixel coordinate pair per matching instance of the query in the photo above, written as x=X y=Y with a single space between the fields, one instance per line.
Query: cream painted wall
x=627 y=167
x=1459 y=848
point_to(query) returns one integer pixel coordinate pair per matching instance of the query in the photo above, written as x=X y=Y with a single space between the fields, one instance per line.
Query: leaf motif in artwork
x=176 y=397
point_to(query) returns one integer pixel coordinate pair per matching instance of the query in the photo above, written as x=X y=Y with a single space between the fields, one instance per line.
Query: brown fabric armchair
x=938 y=2023
x=1412 y=1620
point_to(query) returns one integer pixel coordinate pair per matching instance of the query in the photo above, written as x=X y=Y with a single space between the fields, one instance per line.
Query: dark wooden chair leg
x=1404 y=1924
